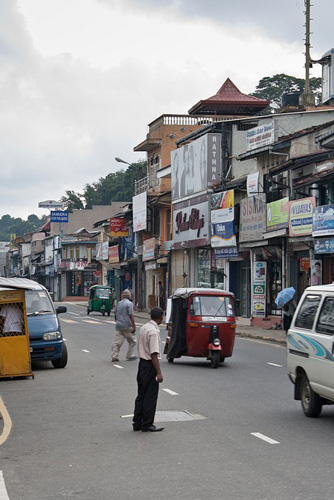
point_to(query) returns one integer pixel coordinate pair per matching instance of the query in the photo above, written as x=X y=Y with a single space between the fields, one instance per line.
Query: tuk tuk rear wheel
x=103 y=313
x=215 y=359
x=170 y=360
x=88 y=311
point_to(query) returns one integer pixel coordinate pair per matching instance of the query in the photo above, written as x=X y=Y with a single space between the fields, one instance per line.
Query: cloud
x=80 y=84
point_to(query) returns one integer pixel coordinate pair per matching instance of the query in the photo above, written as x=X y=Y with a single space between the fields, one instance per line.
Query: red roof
x=229 y=101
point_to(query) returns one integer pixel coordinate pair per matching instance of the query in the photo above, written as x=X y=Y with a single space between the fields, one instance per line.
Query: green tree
x=72 y=201
x=11 y=225
x=272 y=88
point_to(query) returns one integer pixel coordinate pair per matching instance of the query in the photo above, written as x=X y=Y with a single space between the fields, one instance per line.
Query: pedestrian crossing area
x=81 y=319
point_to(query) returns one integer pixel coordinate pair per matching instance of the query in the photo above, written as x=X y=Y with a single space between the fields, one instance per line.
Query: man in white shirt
x=149 y=374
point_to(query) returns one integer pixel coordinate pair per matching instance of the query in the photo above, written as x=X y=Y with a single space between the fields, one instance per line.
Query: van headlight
x=52 y=336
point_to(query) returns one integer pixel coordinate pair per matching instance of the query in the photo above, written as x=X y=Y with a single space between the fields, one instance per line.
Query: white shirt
x=149 y=341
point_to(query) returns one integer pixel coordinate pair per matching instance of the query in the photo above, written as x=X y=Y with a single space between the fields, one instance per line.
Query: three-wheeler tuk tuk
x=100 y=299
x=201 y=324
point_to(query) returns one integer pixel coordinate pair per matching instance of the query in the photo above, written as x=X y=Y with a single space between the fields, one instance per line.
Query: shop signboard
x=113 y=254
x=59 y=216
x=149 y=249
x=253 y=183
x=196 y=166
x=261 y=135
x=259 y=288
x=252 y=218
x=301 y=216
x=191 y=226
x=139 y=206
x=324 y=245
x=278 y=214
x=102 y=251
x=222 y=220
x=323 y=221
x=226 y=253
x=118 y=227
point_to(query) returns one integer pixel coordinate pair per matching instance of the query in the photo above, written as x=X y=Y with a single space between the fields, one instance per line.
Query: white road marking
x=69 y=321
x=91 y=322
x=127 y=416
x=264 y=438
x=118 y=366
x=274 y=364
x=3 y=490
x=7 y=423
x=172 y=393
x=85 y=350
x=75 y=314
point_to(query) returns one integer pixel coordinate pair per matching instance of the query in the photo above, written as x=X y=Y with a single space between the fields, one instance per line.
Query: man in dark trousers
x=149 y=374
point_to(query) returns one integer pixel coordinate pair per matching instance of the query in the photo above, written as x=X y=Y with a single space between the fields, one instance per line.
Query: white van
x=310 y=349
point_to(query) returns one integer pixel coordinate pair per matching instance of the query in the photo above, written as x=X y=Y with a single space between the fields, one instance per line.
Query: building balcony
x=152 y=185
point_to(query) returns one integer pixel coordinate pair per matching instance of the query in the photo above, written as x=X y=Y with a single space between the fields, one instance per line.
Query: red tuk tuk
x=201 y=324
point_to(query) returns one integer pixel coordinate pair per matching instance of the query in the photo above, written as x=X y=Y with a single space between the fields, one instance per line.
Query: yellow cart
x=14 y=336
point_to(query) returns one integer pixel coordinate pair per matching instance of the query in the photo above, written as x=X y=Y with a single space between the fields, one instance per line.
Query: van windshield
x=205 y=305
x=38 y=302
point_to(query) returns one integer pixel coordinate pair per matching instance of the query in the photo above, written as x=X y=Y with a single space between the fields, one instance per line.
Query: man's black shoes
x=152 y=428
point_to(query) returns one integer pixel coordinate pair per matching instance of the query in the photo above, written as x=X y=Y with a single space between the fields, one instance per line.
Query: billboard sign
x=50 y=204
x=196 y=166
x=301 y=216
x=261 y=135
x=139 y=207
x=323 y=221
x=59 y=216
x=278 y=214
x=191 y=223
x=118 y=227
x=222 y=220
x=252 y=218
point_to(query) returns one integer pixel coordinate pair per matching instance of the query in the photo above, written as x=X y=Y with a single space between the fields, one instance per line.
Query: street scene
x=235 y=432
x=166 y=250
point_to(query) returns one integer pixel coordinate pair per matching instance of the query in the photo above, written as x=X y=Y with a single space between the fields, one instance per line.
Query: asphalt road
x=230 y=433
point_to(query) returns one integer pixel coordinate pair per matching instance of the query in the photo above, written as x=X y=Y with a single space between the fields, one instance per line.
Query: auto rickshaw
x=100 y=299
x=201 y=324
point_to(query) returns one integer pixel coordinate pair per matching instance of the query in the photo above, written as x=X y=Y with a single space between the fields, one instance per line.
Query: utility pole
x=307 y=98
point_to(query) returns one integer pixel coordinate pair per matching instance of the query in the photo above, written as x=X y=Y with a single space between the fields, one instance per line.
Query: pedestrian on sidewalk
x=149 y=374
x=125 y=327
x=288 y=312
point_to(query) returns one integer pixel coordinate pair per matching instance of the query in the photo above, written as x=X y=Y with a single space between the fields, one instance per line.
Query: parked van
x=310 y=349
x=45 y=336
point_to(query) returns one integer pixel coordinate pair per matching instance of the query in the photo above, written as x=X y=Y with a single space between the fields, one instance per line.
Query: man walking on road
x=149 y=374
x=125 y=327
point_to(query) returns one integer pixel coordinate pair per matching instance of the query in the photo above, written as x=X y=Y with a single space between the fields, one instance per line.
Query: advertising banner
x=113 y=254
x=222 y=220
x=102 y=251
x=316 y=272
x=324 y=245
x=261 y=135
x=278 y=214
x=252 y=218
x=301 y=216
x=252 y=183
x=149 y=249
x=191 y=223
x=259 y=288
x=323 y=221
x=139 y=207
x=196 y=166
x=118 y=227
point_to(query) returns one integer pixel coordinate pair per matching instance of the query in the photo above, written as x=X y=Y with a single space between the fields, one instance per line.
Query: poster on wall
x=222 y=220
x=316 y=272
x=259 y=288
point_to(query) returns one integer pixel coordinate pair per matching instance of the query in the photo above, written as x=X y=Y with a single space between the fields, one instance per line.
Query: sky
x=80 y=80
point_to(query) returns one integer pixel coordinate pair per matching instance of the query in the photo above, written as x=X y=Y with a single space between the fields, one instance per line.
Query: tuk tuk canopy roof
x=186 y=292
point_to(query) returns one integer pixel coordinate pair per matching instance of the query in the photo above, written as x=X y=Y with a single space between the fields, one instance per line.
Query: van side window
x=326 y=317
x=307 y=312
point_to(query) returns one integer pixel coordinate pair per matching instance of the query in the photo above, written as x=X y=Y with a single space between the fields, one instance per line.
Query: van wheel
x=311 y=402
x=61 y=362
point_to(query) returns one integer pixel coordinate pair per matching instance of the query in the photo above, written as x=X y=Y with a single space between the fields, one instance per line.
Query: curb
x=261 y=337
